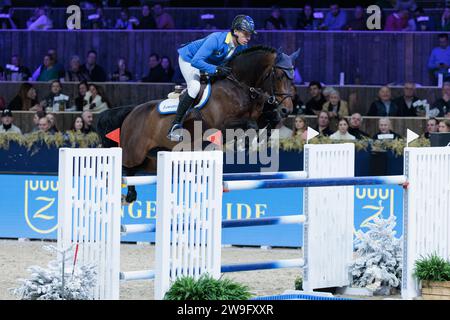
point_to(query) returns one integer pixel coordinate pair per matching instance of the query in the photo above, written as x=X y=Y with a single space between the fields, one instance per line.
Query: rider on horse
x=207 y=55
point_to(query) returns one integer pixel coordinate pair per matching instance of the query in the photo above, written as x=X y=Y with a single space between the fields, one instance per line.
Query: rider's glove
x=223 y=71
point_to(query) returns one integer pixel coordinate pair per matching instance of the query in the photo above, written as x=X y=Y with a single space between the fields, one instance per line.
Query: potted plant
x=206 y=288
x=434 y=273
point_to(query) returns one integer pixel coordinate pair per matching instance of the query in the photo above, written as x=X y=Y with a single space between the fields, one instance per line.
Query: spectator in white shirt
x=342 y=133
x=40 y=20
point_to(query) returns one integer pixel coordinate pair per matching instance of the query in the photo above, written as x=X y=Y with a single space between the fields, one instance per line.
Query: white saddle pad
x=169 y=106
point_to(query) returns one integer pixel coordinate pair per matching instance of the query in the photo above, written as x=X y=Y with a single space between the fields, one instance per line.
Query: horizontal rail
x=241 y=223
x=264 y=175
x=139 y=180
x=316 y=182
x=137 y=275
x=276 y=264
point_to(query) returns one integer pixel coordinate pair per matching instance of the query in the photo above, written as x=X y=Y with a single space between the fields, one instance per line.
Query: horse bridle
x=272 y=100
x=256 y=92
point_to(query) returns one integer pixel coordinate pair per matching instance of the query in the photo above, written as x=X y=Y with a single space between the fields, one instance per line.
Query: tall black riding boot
x=183 y=107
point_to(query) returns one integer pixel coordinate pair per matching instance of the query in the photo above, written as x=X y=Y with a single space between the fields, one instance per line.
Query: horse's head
x=278 y=83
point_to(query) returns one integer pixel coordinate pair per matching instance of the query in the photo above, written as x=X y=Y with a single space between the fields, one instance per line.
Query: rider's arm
x=204 y=52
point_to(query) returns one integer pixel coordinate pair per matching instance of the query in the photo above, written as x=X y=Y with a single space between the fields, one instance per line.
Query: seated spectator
x=315 y=104
x=306 y=20
x=9 y=21
x=75 y=73
x=39 y=20
x=121 y=74
x=355 y=127
x=441 y=107
x=44 y=125
x=300 y=128
x=166 y=65
x=283 y=131
x=96 y=99
x=77 y=125
x=163 y=19
x=336 y=19
x=16 y=71
x=53 y=128
x=156 y=73
x=384 y=130
x=95 y=72
x=299 y=106
x=98 y=20
x=56 y=100
x=342 y=133
x=58 y=66
x=444 y=125
x=383 y=106
x=445 y=20
x=336 y=107
x=26 y=99
x=147 y=21
x=88 y=119
x=80 y=102
x=359 y=20
x=47 y=71
x=323 y=124
x=432 y=126
x=421 y=21
x=397 y=21
x=7 y=123
x=439 y=60
x=326 y=93
x=125 y=22
x=38 y=115
x=405 y=102
x=275 y=21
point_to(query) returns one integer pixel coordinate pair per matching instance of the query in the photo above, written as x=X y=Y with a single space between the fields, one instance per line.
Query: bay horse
x=260 y=85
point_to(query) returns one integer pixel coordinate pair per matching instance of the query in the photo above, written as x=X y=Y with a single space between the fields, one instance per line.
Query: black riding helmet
x=243 y=23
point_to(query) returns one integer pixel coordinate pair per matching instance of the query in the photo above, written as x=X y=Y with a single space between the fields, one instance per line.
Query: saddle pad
x=169 y=106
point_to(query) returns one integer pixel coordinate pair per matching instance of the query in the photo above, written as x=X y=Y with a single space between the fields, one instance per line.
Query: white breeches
x=191 y=76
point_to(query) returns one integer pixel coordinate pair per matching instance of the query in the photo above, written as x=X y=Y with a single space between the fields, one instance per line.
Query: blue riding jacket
x=207 y=53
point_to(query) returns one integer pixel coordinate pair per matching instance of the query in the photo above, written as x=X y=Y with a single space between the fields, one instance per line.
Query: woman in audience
x=75 y=74
x=77 y=125
x=47 y=71
x=300 y=130
x=121 y=74
x=342 y=133
x=166 y=64
x=336 y=107
x=26 y=99
x=52 y=121
x=79 y=101
x=96 y=100
x=444 y=125
x=385 y=132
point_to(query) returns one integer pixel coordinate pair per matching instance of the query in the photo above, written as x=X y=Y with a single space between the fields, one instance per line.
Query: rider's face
x=243 y=37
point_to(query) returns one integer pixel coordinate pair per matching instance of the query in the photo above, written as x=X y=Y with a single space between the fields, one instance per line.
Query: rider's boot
x=183 y=107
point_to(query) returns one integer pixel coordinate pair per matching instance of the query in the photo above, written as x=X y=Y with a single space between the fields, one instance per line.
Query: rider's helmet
x=243 y=23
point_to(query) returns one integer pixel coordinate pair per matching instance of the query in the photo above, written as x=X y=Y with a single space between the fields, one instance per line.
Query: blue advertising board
x=29 y=210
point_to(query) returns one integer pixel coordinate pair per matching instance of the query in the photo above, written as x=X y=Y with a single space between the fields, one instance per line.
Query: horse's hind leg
x=131 y=194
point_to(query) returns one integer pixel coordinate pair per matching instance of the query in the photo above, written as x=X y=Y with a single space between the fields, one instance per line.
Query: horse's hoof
x=131 y=196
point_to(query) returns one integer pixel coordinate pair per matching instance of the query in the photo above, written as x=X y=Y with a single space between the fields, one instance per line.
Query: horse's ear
x=295 y=55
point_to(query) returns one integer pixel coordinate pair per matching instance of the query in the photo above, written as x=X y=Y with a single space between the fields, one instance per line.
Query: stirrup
x=173 y=135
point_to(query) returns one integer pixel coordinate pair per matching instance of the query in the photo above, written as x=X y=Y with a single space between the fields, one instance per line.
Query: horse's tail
x=110 y=120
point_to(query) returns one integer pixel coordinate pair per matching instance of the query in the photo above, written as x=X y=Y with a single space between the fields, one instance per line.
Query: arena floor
x=17 y=256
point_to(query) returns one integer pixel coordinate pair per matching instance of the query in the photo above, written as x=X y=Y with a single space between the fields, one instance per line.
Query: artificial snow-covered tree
x=61 y=280
x=378 y=265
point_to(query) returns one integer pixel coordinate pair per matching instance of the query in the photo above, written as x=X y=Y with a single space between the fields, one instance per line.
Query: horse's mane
x=252 y=50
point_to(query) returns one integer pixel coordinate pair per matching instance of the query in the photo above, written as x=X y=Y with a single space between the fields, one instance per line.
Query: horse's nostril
x=284 y=110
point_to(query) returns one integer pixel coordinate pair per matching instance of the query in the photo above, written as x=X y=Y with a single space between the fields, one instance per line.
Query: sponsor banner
x=29 y=210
